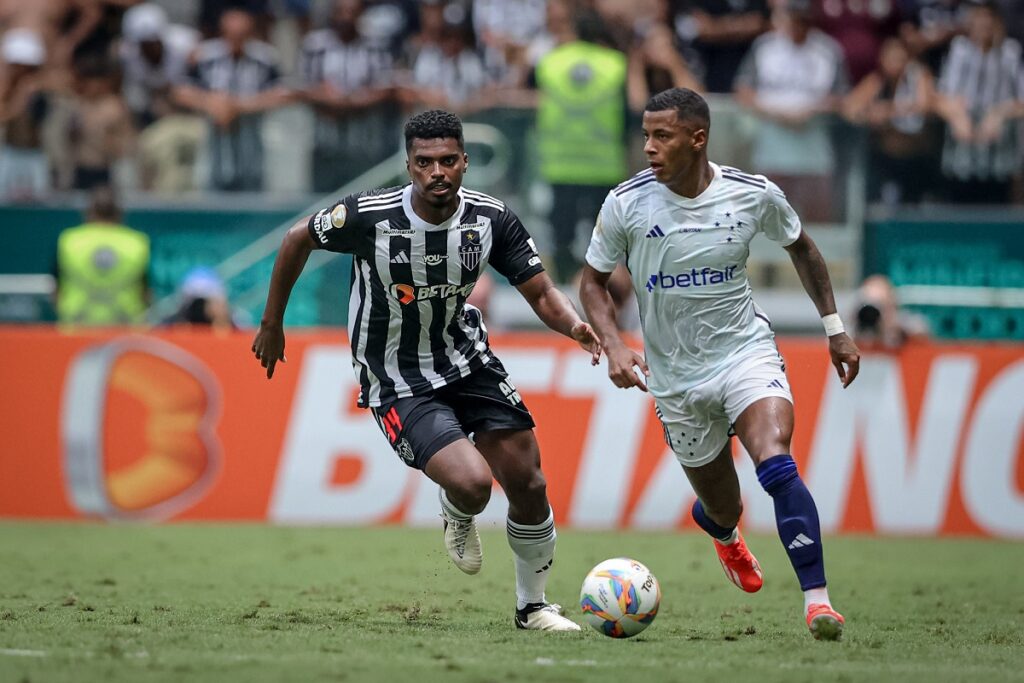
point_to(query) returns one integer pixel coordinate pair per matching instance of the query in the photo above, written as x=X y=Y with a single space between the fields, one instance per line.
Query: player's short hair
x=689 y=106
x=433 y=124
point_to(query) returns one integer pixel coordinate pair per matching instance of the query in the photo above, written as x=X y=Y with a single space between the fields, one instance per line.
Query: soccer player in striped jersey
x=421 y=352
x=711 y=362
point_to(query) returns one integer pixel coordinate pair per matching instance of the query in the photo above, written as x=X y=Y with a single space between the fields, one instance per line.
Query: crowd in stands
x=88 y=87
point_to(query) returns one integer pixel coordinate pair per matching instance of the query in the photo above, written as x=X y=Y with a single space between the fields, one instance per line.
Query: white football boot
x=462 y=542
x=544 y=616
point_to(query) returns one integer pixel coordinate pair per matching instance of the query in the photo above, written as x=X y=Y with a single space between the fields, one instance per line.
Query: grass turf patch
x=253 y=603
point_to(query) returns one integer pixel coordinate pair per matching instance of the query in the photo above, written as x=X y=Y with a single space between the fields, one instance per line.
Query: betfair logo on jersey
x=406 y=294
x=691 y=278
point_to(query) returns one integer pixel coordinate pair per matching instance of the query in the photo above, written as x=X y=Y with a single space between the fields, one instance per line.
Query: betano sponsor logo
x=691 y=278
x=406 y=294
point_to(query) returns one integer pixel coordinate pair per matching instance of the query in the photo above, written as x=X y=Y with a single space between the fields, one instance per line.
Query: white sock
x=816 y=596
x=450 y=507
x=733 y=537
x=533 y=547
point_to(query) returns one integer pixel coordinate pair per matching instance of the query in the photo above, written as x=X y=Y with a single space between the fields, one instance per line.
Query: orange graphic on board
x=169 y=454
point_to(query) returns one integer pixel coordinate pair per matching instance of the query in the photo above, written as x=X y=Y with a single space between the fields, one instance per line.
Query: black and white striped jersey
x=410 y=327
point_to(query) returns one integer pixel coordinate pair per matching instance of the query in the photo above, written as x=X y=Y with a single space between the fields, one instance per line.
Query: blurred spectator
x=100 y=131
x=559 y=28
x=347 y=80
x=981 y=98
x=928 y=27
x=789 y=78
x=879 y=322
x=154 y=56
x=102 y=268
x=1013 y=18
x=62 y=24
x=893 y=102
x=203 y=301
x=859 y=27
x=24 y=105
x=655 y=65
x=448 y=74
x=581 y=130
x=292 y=20
x=389 y=24
x=504 y=29
x=100 y=42
x=233 y=79
x=721 y=32
x=211 y=14
x=431 y=29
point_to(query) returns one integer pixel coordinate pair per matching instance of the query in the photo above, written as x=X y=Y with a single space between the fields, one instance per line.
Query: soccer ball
x=620 y=597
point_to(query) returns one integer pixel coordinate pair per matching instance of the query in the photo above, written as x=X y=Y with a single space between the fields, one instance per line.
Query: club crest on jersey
x=471 y=249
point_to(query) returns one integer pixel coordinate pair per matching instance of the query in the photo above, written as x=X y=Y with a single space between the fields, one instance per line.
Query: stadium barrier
x=183 y=425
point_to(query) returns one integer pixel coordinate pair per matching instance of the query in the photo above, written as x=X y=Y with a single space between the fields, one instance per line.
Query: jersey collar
x=418 y=223
x=690 y=202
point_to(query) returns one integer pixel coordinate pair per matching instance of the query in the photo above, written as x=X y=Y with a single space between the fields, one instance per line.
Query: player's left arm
x=557 y=312
x=810 y=266
x=515 y=256
x=780 y=223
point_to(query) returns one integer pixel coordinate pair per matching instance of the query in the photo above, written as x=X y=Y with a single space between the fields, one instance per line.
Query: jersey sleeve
x=778 y=219
x=608 y=241
x=514 y=253
x=336 y=228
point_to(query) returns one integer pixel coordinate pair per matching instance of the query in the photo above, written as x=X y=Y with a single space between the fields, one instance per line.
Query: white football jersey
x=688 y=261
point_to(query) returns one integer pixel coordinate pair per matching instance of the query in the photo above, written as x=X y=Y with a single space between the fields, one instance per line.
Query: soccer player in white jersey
x=421 y=352
x=711 y=363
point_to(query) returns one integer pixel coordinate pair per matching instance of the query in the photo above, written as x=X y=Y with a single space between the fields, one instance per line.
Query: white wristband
x=833 y=324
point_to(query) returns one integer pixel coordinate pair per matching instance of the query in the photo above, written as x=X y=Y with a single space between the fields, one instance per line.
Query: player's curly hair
x=433 y=124
x=688 y=105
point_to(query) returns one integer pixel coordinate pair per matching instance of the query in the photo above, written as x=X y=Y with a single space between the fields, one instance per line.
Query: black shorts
x=419 y=426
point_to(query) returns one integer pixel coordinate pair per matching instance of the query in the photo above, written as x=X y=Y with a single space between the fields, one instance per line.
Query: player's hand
x=268 y=346
x=844 y=352
x=585 y=336
x=621 y=363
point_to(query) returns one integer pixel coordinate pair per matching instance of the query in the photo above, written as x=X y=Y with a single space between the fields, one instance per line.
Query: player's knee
x=471 y=494
x=530 y=487
x=773 y=443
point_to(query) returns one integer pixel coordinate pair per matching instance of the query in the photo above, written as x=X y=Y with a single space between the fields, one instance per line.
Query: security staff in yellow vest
x=101 y=268
x=581 y=131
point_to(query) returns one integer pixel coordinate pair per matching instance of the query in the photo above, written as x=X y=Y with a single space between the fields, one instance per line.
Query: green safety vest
x=581 y=116
x=102 y=271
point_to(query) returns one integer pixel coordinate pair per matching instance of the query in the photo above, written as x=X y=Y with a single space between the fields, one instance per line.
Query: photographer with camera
x=880 y=324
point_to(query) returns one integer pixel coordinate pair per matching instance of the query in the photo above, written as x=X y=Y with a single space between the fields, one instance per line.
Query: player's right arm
x=607 y=245
x=335 y=229
x=268 y=346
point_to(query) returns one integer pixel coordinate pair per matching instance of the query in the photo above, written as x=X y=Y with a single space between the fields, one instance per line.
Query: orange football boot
x=740 y=565
x=825 y=623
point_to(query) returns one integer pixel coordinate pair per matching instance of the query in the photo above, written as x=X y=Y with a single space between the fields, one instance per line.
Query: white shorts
x=698 y=422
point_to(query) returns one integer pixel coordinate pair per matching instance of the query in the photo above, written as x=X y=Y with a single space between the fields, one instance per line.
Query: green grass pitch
x=252 y=603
